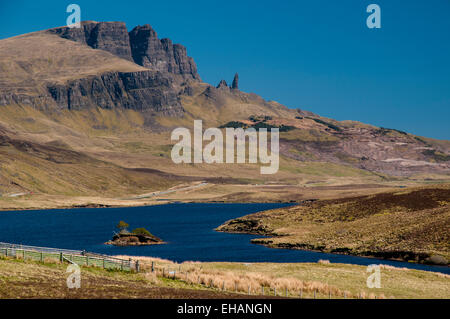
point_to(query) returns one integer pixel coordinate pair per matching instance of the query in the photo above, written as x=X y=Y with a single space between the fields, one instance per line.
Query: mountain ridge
x=141 y=45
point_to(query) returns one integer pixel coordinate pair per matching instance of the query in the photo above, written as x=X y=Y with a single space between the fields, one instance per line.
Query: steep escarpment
x=161 y=55
x=141 y=45
x=133 y=71
x=108 y=36
x=142 y=91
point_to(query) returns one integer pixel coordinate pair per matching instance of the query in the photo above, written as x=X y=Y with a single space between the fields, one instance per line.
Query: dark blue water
x=188 y=230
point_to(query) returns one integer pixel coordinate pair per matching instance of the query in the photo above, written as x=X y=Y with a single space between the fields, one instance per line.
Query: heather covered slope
x=409 y=224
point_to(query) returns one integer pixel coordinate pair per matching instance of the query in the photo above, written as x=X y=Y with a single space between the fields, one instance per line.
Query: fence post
x=103 y=263
x=137 y=266
x=121 y=265
x=87 y=260
x=153 y=267
x=42 y=257
x=61 y=257
x=6 y=252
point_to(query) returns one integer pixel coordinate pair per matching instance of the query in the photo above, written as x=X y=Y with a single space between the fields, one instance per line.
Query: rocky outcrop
x=141 y=46
x=108 y=36
x=130 y=239
x=156 y=90
x=141 y=91
x=235 y=84
x=161 y=55
x=222 y=85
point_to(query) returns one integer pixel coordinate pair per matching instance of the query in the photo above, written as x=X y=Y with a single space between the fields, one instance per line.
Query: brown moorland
x=410 y=224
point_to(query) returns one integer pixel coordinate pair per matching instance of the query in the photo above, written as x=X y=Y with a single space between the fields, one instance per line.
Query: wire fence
x=79 y=257
x=191 y=276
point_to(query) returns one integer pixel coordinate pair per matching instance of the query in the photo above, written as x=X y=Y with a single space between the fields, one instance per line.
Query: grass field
x=32 y=279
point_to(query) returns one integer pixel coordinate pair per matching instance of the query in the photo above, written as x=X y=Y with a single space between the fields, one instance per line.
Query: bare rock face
x=235 y=84
x=154 y=90
x=141 y=91
x=108 y=36
x=141 y=46
x=161 y=55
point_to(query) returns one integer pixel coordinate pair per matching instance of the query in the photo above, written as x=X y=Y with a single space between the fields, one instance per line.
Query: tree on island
x=122 y=226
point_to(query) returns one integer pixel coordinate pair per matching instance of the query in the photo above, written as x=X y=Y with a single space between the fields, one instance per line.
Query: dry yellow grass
x=341 y=280
x=30 y=279
x=31 y=59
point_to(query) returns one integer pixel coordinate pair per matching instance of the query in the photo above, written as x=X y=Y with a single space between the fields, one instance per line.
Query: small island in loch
x=137 y=237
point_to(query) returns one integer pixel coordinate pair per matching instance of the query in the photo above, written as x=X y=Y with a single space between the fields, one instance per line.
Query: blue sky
x=316 y=55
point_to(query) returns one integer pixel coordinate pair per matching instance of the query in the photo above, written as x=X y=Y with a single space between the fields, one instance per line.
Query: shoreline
x=144 y=204
x=383 y=226
x=260 y=241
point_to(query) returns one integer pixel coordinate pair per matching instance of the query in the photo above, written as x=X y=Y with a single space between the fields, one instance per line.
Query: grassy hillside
x=29 y=60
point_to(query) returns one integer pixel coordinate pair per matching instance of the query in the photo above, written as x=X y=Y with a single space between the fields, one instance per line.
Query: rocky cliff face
x=154 y=91
x=161 y=55
x=109 y=36
x=141 y=45
x=141 y=91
